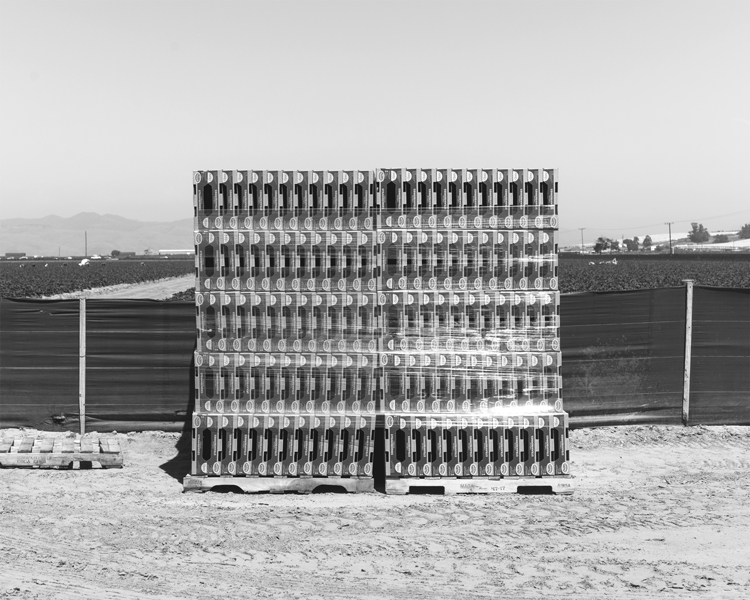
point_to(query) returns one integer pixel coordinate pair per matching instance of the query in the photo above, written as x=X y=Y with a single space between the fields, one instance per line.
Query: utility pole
x=581 y=228
x=670 y=223
x=85 y=244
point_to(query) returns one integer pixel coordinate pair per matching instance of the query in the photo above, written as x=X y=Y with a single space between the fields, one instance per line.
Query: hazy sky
x=643 y=106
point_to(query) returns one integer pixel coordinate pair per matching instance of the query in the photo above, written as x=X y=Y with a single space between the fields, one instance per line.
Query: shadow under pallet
x=277 y=485
x=450 y=486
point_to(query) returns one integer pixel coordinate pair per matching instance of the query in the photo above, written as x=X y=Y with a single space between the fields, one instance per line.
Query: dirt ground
x=657 y=509
x=153 y=290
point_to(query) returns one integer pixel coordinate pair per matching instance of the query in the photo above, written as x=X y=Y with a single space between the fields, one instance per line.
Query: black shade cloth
x=623 y=356
x=39 y=364
x=720 y=357
x=139 y=359
x=623 y=359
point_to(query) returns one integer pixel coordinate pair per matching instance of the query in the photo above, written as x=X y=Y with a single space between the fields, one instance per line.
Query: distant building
x=126 y=255
x=18 y=254
x=180 y=252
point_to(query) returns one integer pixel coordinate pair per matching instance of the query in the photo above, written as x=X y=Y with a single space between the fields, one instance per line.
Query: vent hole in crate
x=208 y=261
x=524 y=445
x=469 y=191
x=240 y=198
x=299 y=444
x=222 y=444
x=206 y=445
x=268 y=439
x=253 y=198
x=448 y=445
x=555 y=446
x=463 y=450
x=238 y=444
x=479 y=441
x=432 y=444
x=360 y=453
x=314 y=441
x=542 y=451
x=208 y=198
x=330 y=441
x=224 y=194
x=455 y=196
x=400 y=445
x=495 y=445
x=344 y=454
x=417 y=445
x=344 y=197
x=252 y=445
x=283 y=444
x=359 y=191
x=510 y=445
x=390 y=196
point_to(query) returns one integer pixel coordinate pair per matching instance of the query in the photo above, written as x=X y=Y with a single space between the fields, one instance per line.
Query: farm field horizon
x=42 y=278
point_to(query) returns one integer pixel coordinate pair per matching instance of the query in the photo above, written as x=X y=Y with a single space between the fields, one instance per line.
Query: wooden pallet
x=277 y=485
x=479 y=485
x=63 y=451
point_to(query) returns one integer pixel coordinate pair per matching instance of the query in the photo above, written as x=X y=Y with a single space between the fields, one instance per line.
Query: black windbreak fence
x=623 y=360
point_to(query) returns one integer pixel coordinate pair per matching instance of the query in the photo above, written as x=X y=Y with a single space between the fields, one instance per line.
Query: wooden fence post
x=688 y=346
x=82 y=363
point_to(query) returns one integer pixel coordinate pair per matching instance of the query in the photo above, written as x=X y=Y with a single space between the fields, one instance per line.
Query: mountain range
x=53 y=235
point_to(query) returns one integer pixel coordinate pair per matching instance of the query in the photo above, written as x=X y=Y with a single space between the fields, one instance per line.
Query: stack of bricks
x=421 y=300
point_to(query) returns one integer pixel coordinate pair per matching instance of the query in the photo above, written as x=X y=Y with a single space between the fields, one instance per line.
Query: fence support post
x=82 y=363
x=688 y=345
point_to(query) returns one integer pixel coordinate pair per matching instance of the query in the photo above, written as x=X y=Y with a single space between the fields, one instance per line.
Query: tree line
x=698 y=235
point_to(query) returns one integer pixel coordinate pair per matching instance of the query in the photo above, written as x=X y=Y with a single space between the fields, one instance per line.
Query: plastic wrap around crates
x=288 y=322
x=283 y=445
x=454 y=320
x=499 y=445
x=470 y=382
x=289 y=383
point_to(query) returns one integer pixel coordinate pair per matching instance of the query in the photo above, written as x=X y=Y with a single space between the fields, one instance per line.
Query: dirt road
x=153 y=290
x=658 y=509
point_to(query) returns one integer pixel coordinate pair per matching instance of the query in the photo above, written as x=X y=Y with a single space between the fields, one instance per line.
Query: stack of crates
x=421 y=300
x=471 y=311
x=288 y=333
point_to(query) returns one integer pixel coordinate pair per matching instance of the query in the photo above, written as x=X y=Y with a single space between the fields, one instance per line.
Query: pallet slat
x=480 y=485
x=277 y=485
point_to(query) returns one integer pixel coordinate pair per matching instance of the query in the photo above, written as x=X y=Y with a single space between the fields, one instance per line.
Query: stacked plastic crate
x=471 y=351
x=422 y=301
x=288 y=327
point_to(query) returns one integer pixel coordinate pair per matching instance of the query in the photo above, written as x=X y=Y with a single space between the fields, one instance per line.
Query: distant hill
x=105 y=233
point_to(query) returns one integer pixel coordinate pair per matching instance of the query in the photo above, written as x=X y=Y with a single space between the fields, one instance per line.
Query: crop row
x=34 y=279
x=577 y=275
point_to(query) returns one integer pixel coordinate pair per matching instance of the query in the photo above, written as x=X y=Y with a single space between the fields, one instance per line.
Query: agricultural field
x=578 y=275
x=35 y=279
x=32 y=279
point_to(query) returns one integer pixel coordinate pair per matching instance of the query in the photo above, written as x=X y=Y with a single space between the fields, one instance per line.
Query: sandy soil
x=657 y=509
x=153 y=290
